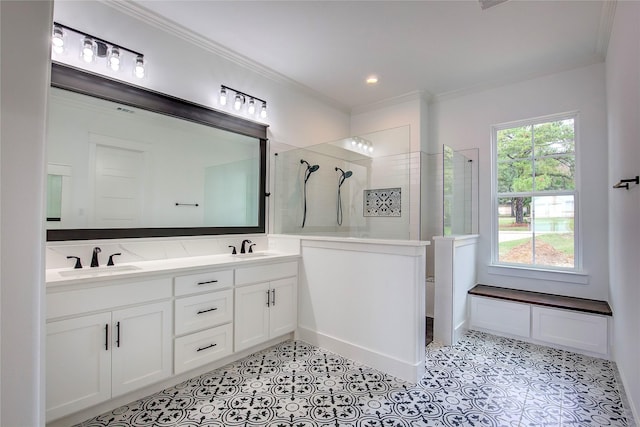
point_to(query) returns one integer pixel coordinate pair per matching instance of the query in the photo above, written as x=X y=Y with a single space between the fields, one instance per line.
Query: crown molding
x=607 y=16
x=390 y=102
x=144 y=15
x=515 y=79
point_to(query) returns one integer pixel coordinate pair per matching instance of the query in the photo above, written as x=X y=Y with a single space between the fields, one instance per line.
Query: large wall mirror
x=125 y=162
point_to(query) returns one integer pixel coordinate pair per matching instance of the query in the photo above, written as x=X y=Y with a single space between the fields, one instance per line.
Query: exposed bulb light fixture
x=114 y=58
x=87 y=52
x=237 y=103
x=359 y=144
x=139 y=70
x=95 y=50
x=242 y=98
x=223 y=96
x=57 y=40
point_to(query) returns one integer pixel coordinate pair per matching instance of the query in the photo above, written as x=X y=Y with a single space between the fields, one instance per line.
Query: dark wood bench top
x=547 y=300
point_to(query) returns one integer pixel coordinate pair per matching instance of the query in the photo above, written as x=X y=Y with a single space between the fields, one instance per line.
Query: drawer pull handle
x=207 y=282
x=273 y=297
x=206 y=347
x=208 y=310
x=106 y=336
x=268 y=300
x=118 y=335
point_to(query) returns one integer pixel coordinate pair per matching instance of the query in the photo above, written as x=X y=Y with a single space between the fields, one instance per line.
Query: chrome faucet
x=242 y=248
x=94 y=258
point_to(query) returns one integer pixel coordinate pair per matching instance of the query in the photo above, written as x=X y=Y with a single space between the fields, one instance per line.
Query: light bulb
x=360 y=144
x=353 y=142
x=139 y=67
x=223 y=96
x=263 y=111
x=237 y=103
x=87 y=50
x=57 y=40
x=114 y=58
x=371 y=148
x=252 y=107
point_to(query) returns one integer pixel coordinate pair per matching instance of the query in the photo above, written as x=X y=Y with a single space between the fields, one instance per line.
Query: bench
x=576 y=324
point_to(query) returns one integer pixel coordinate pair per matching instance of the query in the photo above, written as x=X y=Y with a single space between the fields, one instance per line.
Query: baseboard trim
x=390 y=365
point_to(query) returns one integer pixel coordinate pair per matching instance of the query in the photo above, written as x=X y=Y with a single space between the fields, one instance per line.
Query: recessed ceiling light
x=371 y=80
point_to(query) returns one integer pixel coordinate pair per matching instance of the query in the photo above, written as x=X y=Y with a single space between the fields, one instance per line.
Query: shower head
x=344 y=175
x=310 y=168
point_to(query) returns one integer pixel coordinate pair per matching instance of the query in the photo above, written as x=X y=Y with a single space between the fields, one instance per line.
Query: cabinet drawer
x=203 y=311
x=265 y=273
x=203 y=347
x=203 y=282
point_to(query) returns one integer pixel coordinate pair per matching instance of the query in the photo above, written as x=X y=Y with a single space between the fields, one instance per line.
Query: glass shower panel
x=457 y=189
x=353 y=187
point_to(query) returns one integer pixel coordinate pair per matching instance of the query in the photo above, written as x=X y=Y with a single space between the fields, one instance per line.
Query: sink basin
x=251 y=255
x=97 y=271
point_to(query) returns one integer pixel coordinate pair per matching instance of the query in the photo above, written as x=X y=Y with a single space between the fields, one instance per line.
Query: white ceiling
x=438 y=47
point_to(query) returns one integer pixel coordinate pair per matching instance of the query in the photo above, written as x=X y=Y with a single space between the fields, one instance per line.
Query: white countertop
x=143 y=269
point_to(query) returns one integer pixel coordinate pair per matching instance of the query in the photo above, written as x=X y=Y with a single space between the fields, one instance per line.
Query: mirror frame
x=79 y=81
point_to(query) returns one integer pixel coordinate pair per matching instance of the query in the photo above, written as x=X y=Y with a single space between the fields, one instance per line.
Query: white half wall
x=623 y=102
x=365 y=300
x=465 y=122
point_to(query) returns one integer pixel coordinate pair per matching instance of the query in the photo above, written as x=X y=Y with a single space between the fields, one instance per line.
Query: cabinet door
x=283 y=307
x=78 y=360
x=141 y=342
x=251 y=323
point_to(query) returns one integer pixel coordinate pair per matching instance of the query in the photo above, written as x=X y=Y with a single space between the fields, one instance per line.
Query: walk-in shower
x=343 y=176
x=310 y=169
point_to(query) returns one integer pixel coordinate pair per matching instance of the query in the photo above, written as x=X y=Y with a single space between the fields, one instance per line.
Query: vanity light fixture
x=87 y=52
x=361 y=145
x=237 y=104
x=240 y=99
x=223 y=96
x=57 y=40
x=94 y=49
x=114 y=58
x=139 y=68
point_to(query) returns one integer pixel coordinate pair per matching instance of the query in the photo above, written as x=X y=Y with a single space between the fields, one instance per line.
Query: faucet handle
x=110 y=262
x=234 y=250
x=78 y=263
x=251 y=248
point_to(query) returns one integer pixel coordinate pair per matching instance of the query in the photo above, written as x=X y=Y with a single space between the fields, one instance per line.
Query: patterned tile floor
x=483 y=381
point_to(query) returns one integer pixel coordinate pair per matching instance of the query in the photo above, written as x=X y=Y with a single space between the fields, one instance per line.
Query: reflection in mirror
x=116 y=170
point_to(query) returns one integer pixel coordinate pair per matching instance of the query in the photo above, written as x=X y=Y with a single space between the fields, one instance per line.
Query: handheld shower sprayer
x=310 y=169
x=343 y=176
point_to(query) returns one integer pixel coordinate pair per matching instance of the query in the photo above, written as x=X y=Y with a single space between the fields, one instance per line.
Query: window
x=535 y=194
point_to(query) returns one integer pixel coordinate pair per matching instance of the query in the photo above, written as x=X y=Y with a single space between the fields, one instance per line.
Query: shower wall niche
x=374 y=200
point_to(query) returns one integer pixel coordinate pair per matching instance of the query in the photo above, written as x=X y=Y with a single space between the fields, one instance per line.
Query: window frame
x=572 y=274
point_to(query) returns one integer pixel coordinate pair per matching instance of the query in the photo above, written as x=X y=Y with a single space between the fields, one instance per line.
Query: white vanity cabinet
x=92 y=357
x=203 y=316
x=265 y=303
x=110 y=336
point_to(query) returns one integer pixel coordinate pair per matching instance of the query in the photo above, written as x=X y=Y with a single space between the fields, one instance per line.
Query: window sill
x=540 y=274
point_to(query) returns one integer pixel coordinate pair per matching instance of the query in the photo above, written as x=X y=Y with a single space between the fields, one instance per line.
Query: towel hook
x=624 y=183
